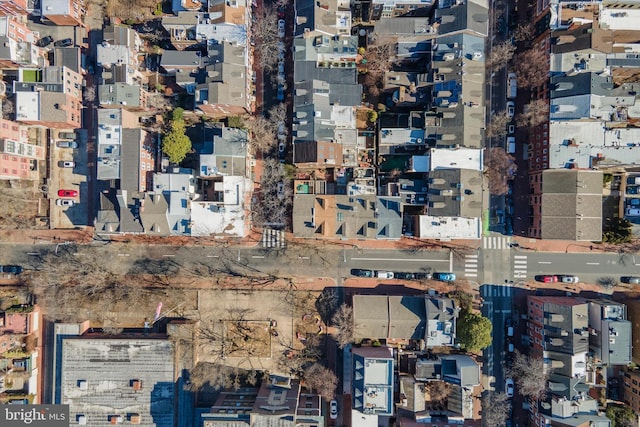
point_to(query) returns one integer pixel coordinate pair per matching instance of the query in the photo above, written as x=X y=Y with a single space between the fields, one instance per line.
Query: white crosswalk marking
x=273 y=238
x=499 y=243
x=497 y=291
x=471 y=265
x=520 y=266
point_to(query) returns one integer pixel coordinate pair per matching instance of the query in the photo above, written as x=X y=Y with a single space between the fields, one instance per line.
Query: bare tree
x=495 y=409
x=278 y=113
x=535 y=113
x=264 y=29
x=607 y=283
x=379 y=56
x=263 y=133
x=89 y=93
x=524 y=32
x=343 y=322
x=531 y=375
x=8 y=109
x=500 y=55
x=438 y=390
x=498 y=124
x=533 y=68
x=275 y=196
x=499 y=168
x=322 y=380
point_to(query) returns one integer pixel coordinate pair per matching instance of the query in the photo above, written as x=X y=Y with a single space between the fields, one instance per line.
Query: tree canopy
x=176 y=144
x=621 y=416
x=530 y=374
x=474 y=331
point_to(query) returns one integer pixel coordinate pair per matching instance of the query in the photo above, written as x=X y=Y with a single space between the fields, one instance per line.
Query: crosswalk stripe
x=520 y=262
x=471 y=256
x=470 y=275
x=520 y=256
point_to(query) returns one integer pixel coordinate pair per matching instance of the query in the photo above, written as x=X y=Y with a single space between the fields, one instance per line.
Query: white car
x=385 y=274
x=68 y=164
x=570 y=279
x=65 y=202
x=281 y=28
x=333 y=410
x=508 y=387
x=511 y=109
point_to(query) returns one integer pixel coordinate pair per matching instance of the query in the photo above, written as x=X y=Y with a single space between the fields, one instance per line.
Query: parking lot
x=68 y=178
x=59 y=32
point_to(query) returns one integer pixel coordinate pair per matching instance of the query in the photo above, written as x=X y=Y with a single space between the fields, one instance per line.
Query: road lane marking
x=257 y=256
x=520 y=257
x=544 y=262
x=593 y=263
x=33 y=253
x=401 y=260
x=213 y=256
x=470 y=275
x=124 y=254
x=168 y=256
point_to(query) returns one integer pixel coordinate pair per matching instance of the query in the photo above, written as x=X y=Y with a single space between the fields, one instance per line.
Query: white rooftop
x=436 y=227
x=113 y=54
x=401 y=136
x=222 y=32
x=619 y=19
x=457 y=158
x=27 y=106
x=226 y=217
x=578 y=142
x=55 y=7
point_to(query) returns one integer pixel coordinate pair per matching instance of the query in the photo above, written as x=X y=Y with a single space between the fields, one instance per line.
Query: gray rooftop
x=572 y=204
x=119 y=94
x=308 y=70
x=180 y=58
x=455 y=192
x=463 y=16
x=98 y=376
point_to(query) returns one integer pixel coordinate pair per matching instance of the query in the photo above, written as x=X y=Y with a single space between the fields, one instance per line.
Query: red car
x=67 y=193
x=547 y=279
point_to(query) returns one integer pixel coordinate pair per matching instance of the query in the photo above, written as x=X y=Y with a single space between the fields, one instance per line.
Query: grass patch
x=485 y=222
x=31 y=76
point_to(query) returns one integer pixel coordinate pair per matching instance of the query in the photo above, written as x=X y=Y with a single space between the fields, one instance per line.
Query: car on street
x=511 y=109
x=67 y=193
x=567 y=278
x=68 y=164
x=404 y=276
x=333 y=410
x=633 y=180
x=45 y=41
x=512 y=85
x=633 y=212
x=280 y=94
x=11 y=269
x=384 y=274
x=422 y=276
x=63 y=43
x=361 y=273
x=65 y=202
x=67 y=144
x=633 y=190
x=633 y=202
x=511 y=129
x=508 y=387
x=444 y=277
x=281 y=27
x=281 y=147
x=632 y=280
x=546 y=278
x=67 y=135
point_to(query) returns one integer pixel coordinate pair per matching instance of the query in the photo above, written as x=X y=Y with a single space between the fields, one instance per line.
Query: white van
x=512 y=85
x=511 y=145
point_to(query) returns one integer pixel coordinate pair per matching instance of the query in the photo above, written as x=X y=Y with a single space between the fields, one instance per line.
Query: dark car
x=632 y=280
x=362 y=273
x=421 y=276
x=405 y=276
x=633 y=190
x=45 y=41
x=63 y=43
x=13 y=269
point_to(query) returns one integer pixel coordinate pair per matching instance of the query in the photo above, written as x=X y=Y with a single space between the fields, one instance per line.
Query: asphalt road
x=493 y=266
x=498 y=300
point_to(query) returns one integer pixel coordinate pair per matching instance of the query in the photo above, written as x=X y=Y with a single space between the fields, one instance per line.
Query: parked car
x=510 y=331
x=404 y=276
x=511 y=109
x=512 y=85
x=361 y=273
x=63 y=43
x=281 y=28
x=633 y=212
x=632 y=280
x=68 y=164
x=547 y=278
x=511 y=144
x=280 y=94
x=67 y=144
x=633 y=202
x=511 y=129
x=11 y=269
x=45 y=41
x=508 y=387
x=384 y=274
x=67 y=135
x=444 y=277
x=633 y=190
x=333 y=410
x=65 y=202
x=633 y=180
x=567 y=278
x=422 y=276
x=67 y=193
